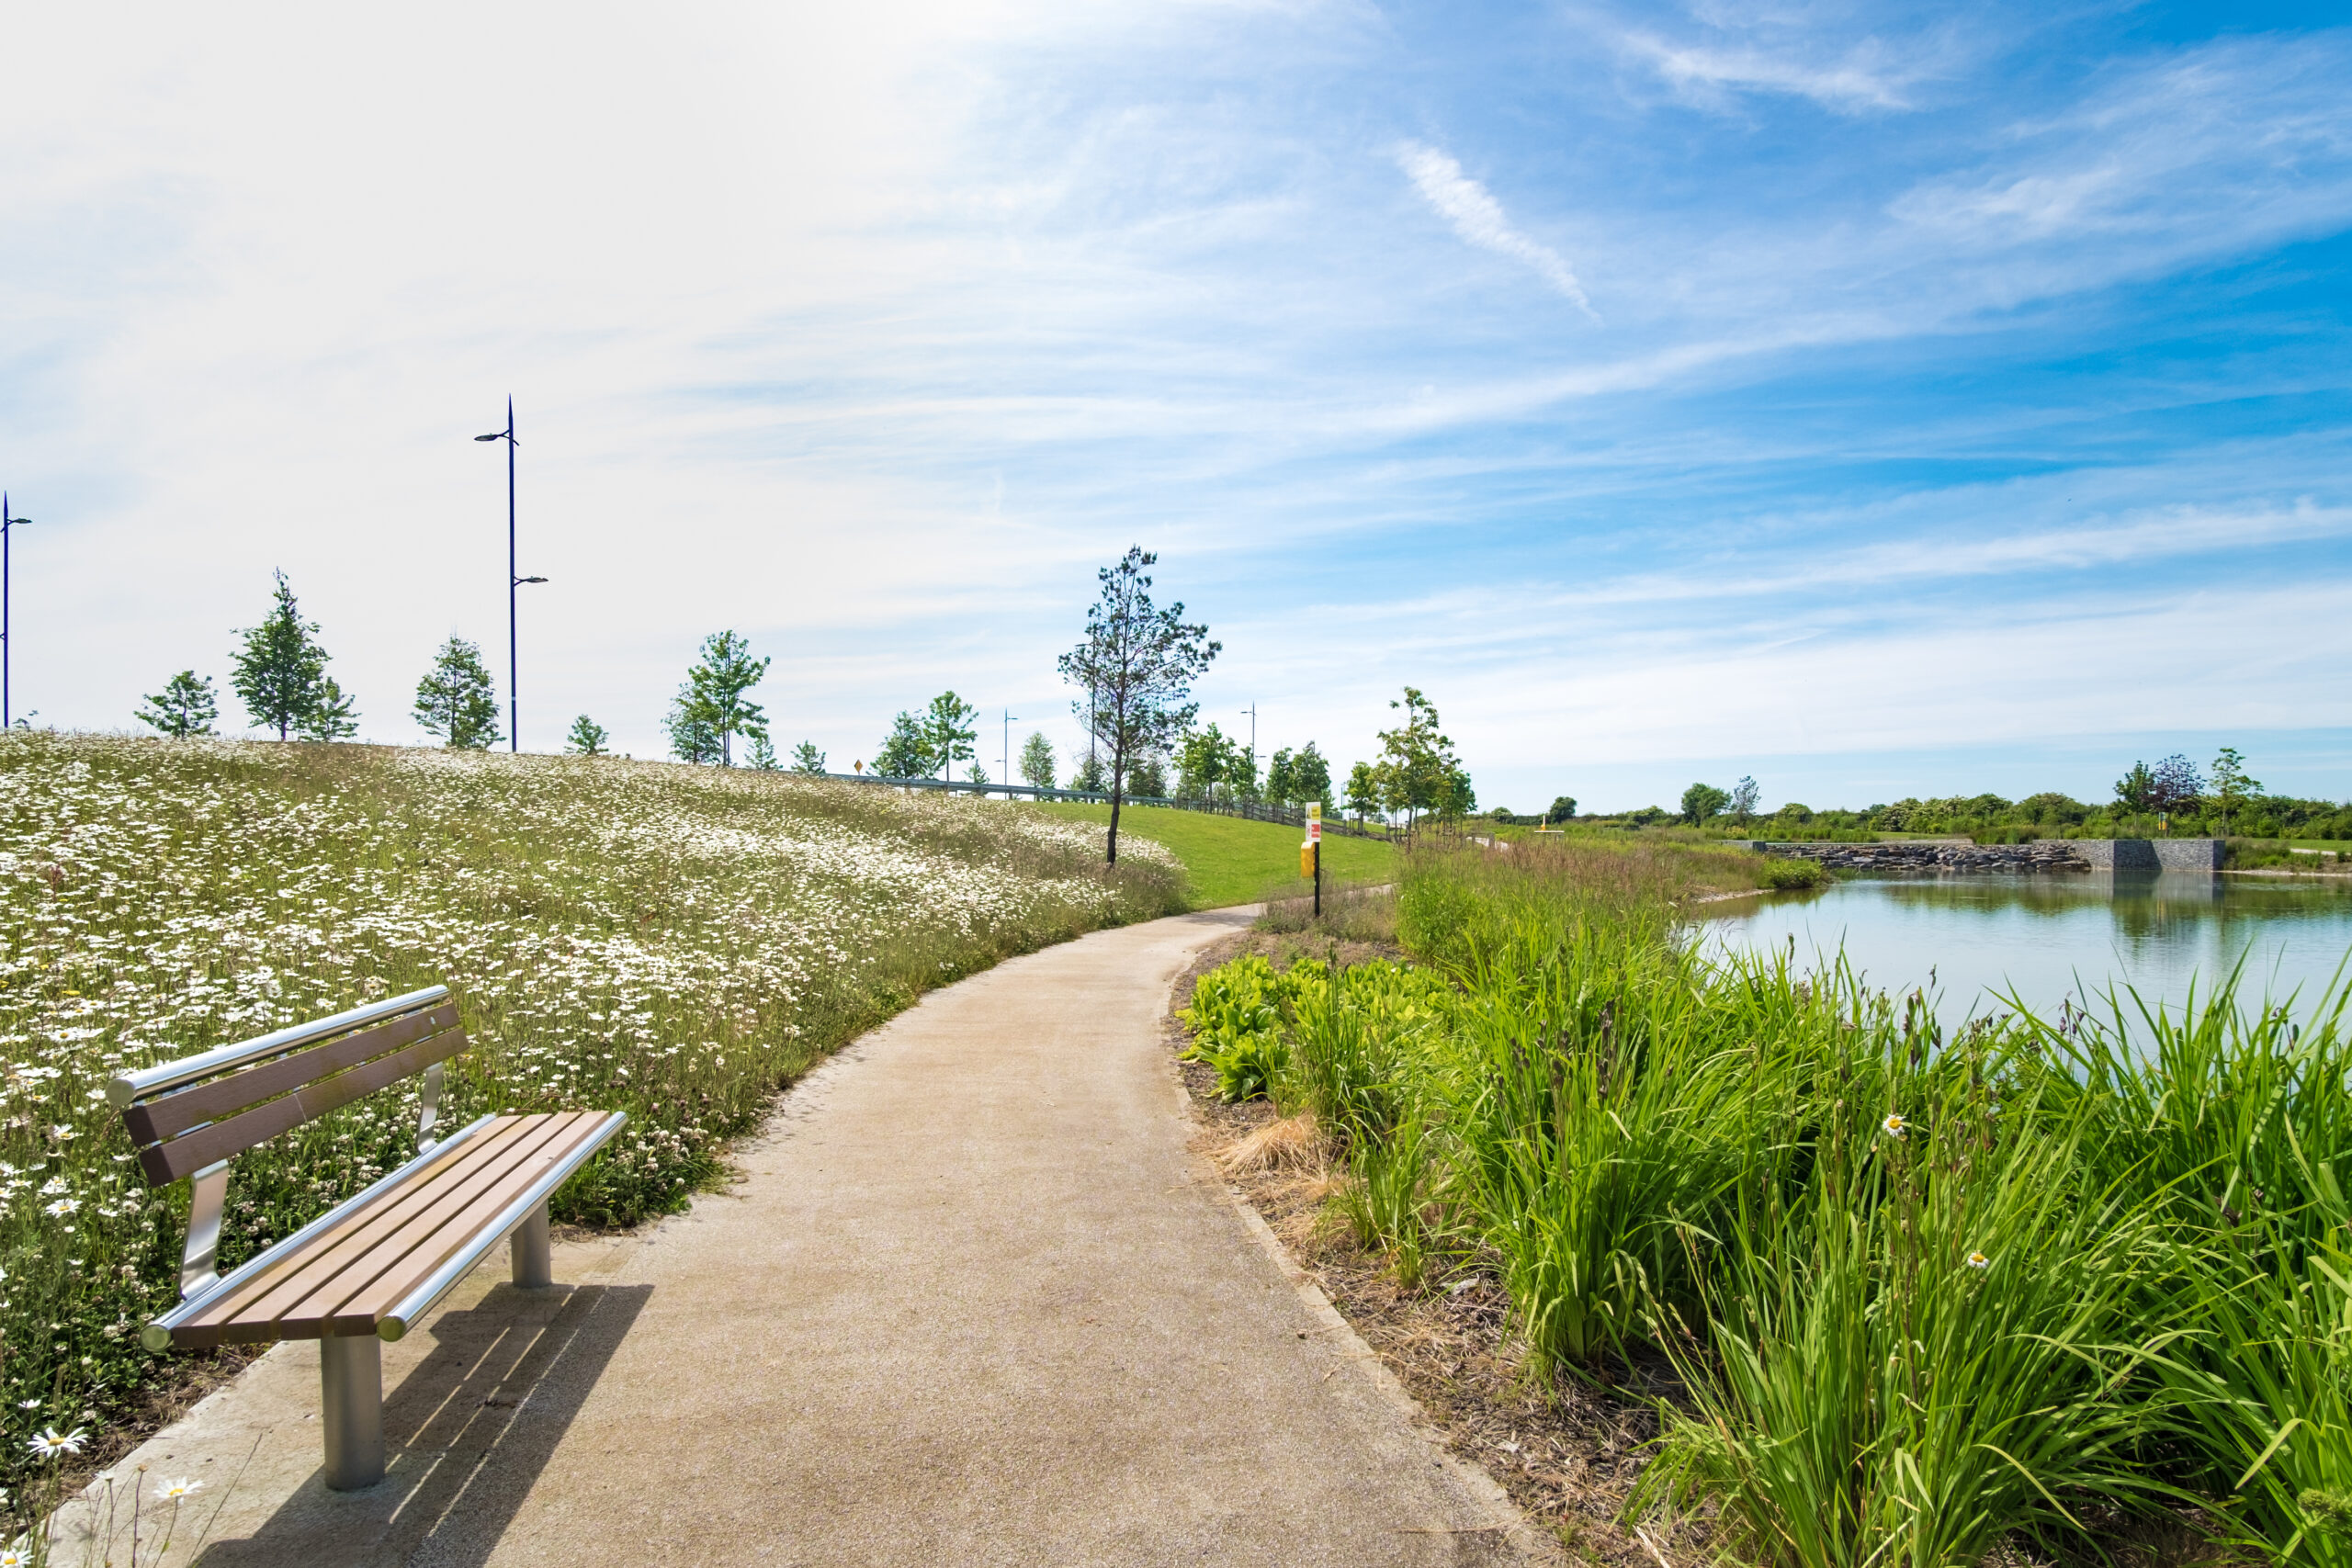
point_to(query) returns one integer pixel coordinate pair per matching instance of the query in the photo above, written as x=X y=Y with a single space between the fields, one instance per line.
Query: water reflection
x=2050 y=936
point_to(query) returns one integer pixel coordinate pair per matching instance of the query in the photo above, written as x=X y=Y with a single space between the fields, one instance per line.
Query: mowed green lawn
x=1229 y=859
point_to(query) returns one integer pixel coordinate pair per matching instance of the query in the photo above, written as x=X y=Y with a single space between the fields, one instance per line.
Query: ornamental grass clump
x=676 y=942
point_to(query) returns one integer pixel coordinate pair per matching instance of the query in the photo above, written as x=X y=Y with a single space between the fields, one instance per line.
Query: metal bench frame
x=350 y=1365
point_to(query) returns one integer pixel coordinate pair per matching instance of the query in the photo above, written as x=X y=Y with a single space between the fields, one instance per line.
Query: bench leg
x=350 y=1374
x=534 y=1267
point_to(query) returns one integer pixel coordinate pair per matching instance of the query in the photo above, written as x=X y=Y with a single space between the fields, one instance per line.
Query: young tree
x=1148 y=779
x=976 y=774
x=281 y=670
x=2136 y=790
x=807 y=758
x=948 y=731
x=693 y=736
x=1743 y=796
x=1364 y=794
x=1701 y=802
x=1310 y=776
x=184 y=707
x=1137 y=664
x=456 y=699
x=587 y=738
x=2173 y=785
x=1203 y=761
x=1563 y=808
x=2231 y=783
x=716 y=689
x=1091 y=777
x=1278 y=782
x=1240 y=771
x=905 y=754
x=331 y=716
x=1420 y=770
x=762 y=754
x=1456 y=799
x=1037 y=761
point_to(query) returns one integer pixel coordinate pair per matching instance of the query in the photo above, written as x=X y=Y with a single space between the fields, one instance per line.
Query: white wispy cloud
x=1475 y=215
x=1864 y=77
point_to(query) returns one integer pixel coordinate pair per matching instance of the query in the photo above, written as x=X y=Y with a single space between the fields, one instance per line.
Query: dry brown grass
x=1295 y=1143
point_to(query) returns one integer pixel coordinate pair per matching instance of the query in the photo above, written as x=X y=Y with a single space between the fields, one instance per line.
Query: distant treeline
x=2173 y=798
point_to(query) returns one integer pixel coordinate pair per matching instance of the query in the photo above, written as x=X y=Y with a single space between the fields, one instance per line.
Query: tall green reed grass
x=1928 y=1294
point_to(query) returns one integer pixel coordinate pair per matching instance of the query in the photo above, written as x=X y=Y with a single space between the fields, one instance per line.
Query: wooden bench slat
x=465 y=1161
x=416 y=1248
x=165 y=1163
x=360 y=1313
x=168 y=1115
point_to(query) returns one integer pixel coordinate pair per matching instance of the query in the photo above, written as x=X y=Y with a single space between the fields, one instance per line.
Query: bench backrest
x=186 y=1115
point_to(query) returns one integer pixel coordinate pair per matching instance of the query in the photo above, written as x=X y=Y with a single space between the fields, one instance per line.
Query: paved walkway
x=974 y=1302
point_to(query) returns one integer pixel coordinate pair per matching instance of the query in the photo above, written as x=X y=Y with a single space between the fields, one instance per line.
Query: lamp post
x=514 y=663
x=1005 y=761
x=7 y=526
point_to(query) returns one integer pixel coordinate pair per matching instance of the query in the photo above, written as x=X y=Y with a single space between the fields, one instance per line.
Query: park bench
x=369 y=1271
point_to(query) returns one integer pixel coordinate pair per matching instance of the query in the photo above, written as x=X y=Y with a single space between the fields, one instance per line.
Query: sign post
x=1315 y=843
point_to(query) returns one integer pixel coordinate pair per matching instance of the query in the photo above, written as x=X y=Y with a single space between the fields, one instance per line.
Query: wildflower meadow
x=677 y=942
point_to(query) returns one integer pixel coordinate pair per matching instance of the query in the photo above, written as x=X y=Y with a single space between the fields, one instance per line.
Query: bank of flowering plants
x=676 y=942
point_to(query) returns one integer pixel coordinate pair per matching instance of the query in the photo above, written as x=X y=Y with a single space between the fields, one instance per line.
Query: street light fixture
x=514 y=663
x=7 y=526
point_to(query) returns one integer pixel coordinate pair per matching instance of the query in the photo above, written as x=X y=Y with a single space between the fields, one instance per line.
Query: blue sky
x=1875 y=402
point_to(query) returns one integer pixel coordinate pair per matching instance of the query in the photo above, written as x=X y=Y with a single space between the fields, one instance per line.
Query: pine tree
x=807 y=758
x=693 y=736
x=184 y=707
x=330 y=717
x=762 y=755
x=1037 y=761
x=948 y=731
x=281 y=670
x=587 y=738
x=456 y=700
x=905 y=753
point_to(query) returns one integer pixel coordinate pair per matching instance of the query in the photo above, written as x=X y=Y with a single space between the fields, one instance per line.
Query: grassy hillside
x=1228 y=860
x=676 y=942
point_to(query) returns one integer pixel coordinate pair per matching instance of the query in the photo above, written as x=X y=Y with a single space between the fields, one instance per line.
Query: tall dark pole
x=513 y=658
x=7 y=527
x=513 y=662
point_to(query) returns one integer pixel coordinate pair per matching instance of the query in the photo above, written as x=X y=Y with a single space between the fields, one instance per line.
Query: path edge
x=1531 y=1544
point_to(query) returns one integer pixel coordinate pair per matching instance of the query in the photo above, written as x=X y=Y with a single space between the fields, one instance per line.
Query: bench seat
x=376 y=1264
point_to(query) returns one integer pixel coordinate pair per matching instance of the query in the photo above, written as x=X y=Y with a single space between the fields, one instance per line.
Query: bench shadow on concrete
x=468 y=1432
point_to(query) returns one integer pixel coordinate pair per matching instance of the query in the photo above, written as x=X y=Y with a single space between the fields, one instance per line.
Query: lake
x=2049 y=936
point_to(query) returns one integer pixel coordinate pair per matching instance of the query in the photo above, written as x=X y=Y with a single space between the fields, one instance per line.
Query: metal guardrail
x=1253 y=810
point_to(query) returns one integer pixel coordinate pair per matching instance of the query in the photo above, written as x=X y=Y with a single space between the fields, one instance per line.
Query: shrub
x=1779 y=874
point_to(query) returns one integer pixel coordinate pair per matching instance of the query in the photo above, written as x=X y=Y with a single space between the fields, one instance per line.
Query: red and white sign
x=1314 y=829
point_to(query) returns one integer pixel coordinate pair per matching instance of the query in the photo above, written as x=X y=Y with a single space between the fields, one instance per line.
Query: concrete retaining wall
x=2150 y=855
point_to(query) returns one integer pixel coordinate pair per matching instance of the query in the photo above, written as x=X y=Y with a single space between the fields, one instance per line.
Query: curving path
x=973 y=1303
